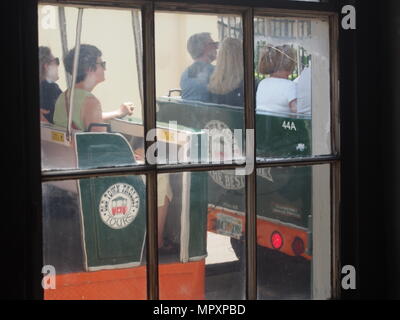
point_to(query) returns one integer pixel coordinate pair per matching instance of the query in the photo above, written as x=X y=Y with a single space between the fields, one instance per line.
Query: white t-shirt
x=275 y=94
x=304 y=91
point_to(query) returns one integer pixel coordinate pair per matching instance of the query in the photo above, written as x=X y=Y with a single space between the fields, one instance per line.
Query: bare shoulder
x=91 y=111
x=91 y=102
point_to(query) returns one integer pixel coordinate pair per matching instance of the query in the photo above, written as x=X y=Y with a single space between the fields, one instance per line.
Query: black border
x=21 y=195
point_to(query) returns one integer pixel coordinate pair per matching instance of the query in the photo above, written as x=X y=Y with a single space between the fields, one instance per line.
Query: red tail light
x=276 y=240
x=298 y=246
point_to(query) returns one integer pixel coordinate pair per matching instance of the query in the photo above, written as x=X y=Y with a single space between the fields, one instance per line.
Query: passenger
x=304 y=91
x=194 y=80
x=226 y=83
x=164 y=197
x=276 y=93
x=87 y=108
x=49 y=89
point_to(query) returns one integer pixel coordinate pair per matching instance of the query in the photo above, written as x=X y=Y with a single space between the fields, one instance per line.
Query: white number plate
x=229 y=226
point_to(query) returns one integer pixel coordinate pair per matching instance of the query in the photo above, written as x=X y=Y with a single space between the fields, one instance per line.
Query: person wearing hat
x=194 y=80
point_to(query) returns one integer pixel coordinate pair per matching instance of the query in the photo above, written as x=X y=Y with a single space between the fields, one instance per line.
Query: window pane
x=94 y=238
x=108 y=81
x=292 y=76
x=201 y=235
x=293 y=233
x=199 y=83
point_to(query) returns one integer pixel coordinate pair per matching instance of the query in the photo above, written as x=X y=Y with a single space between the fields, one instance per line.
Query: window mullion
x=251 y=231
x=150 y=123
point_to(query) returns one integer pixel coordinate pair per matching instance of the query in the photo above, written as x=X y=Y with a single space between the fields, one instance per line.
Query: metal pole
x=64 y=40
x=74 y=72
x=137 y=34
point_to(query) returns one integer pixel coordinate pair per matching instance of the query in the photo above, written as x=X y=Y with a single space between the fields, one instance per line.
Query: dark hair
x=44 y=58
x=88 y=55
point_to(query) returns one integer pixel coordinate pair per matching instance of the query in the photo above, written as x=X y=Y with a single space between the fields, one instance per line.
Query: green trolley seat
x=283 y=194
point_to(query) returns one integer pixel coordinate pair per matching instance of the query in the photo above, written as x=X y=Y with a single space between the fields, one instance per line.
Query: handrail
x=74 y=72
x=64 y=41
x=137 y=35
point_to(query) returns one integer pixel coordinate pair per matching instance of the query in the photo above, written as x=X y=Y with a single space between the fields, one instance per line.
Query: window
x=188 y=152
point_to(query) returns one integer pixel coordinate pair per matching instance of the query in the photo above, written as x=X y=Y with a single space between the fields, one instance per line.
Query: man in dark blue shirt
x=195 y=78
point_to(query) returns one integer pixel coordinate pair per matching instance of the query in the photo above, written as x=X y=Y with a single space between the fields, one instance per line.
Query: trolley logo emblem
x=119 y=206
x=223 y=147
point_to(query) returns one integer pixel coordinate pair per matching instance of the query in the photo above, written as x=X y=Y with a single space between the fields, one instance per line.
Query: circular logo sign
x=119 y=205
x=223 y=147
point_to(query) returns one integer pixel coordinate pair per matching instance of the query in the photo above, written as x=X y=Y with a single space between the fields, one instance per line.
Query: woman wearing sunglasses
x=87 y=108
x=49 y=89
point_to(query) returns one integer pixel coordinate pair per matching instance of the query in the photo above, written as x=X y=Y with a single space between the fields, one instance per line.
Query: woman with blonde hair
x=226 y=82
x=276 y=93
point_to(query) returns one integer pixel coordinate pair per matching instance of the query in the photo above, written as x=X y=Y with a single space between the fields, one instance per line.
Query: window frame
x=248 y=12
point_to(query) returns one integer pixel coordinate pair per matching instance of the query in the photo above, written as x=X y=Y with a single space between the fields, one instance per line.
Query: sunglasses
x=214 y=44
x=103 y=64
x=56 y=61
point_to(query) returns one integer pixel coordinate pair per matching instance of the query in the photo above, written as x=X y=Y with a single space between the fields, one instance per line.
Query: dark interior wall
x=349 y=217
x=370 y=228
x=20 y=195
x=371 y=215
x=390 y=120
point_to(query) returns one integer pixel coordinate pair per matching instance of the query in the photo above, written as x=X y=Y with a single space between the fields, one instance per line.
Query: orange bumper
x=265 y=229
x=178 y=281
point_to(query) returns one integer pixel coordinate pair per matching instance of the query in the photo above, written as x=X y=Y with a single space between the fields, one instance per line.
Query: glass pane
x=94 y=238
x=199 y=85
x=292 y=76
x=201 y=235
x=107 y=95
x=293 y=233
